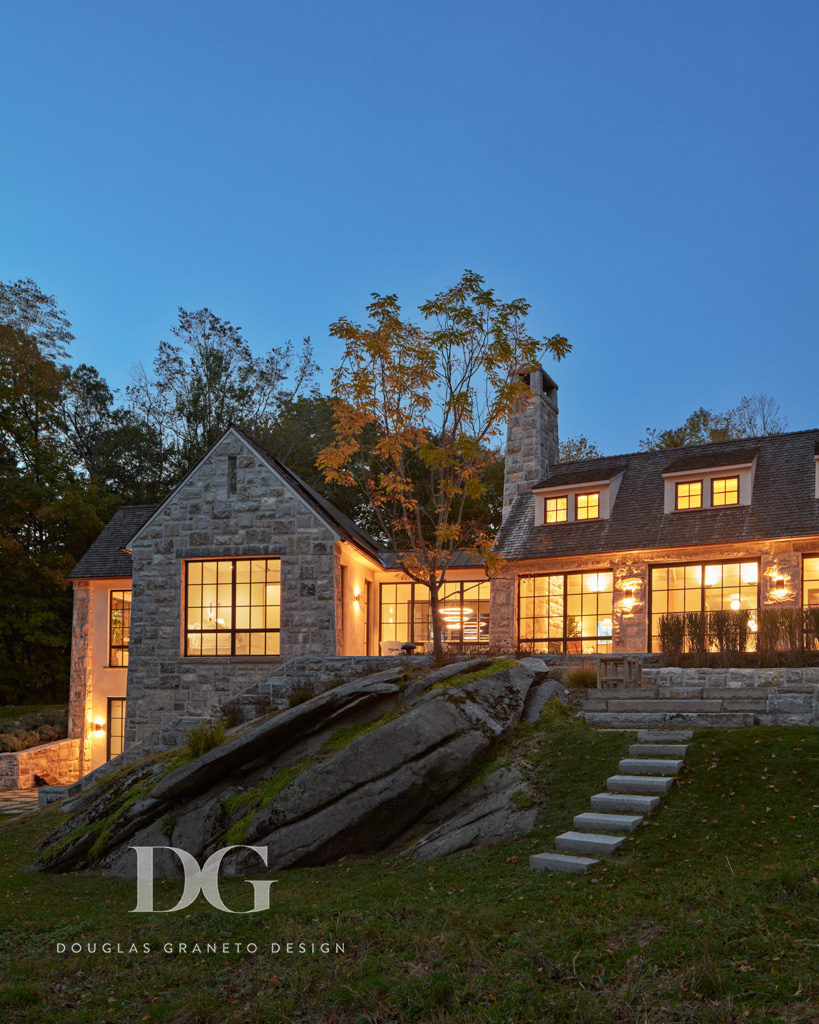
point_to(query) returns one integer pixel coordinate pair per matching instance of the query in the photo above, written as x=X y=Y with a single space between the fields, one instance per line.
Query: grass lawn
x=709 y=914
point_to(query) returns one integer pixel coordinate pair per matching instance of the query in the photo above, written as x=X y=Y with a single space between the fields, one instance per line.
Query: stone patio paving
x=17 y=801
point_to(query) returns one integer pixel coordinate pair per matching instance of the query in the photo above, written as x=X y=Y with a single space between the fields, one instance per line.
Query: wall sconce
x=356 y=595
x=629 y=594
x=99 y=728
x=779 y=585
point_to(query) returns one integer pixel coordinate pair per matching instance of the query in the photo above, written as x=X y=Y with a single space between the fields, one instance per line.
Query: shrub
x=300 y=692
x=672 y=637
x=204 y=737
x=768 y=628
x=582 y=676
x=32 y=730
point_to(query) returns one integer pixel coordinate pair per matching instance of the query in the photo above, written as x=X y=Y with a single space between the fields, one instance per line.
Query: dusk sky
x=643 y=173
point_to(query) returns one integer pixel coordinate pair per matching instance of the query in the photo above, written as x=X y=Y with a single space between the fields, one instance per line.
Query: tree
x=48 y=514
x=756 y=416
x=212 y=379
x=416 y=412
x=574 y=449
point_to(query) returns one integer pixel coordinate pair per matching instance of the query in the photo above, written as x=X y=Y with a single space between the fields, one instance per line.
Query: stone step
x=588 y=844
x=561 y=862
x=622 y=803
x=664 y=736
x=644 y=720
x=643 y=784
x=666 y=705
x=657 y=750
x=649 y=766
x=591 y=822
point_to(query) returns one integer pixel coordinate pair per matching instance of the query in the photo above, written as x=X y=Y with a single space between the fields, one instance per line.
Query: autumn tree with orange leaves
x=418 y=413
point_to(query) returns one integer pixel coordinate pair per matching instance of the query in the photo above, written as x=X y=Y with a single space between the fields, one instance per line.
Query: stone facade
x=60 y=759
x=79 y=708
x=779 y=559
x=531 y=439
x=208 y=518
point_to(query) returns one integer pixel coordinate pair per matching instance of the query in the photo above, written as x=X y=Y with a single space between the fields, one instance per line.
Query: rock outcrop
x=351 y=771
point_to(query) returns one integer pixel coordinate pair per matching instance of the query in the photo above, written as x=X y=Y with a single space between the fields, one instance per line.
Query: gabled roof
x=106 y=558
x=342 y=525
x=334 y=518
x=783 y=502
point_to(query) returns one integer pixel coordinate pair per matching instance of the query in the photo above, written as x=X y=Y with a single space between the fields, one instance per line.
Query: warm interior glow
x=557 y=510
x=725 y=491
x=689 y=495
x=735 y=605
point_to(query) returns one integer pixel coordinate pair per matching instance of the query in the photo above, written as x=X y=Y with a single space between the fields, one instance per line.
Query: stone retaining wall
x=61 y=759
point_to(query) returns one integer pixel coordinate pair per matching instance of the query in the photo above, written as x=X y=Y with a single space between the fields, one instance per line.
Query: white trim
x=709 y=471
x=607 y=489
x=816 y=460
x=258 y=457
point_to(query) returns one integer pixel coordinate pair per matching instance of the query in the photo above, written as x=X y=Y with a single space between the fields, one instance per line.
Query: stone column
x=80 y=684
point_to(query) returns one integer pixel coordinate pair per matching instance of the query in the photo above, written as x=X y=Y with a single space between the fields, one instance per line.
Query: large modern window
x=702 y=587
x=464 y=610
x=232 y=607
x=566 y=612
x=119 y=627
x=116 y=726
x=810 y=582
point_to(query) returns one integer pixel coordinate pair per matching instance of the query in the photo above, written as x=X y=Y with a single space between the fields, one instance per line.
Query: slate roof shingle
x=105 y=559
x=783 y=502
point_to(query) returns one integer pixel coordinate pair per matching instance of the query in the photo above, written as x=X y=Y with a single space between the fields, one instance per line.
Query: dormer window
x=696 y=481
x=689 y=495
x=587 y=506
x=725 y=491
x=557 y=509
x=576 y=495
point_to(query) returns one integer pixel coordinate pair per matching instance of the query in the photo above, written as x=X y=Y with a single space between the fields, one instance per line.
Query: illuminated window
x=566 y=613
x=588 y=506
x=689 y=495
x=233 y=607
x=703 y=588
x=725 y=491
x=557 y=510
x=116 y=726
x=810 y=582
x=464 y=611
x=119 y=627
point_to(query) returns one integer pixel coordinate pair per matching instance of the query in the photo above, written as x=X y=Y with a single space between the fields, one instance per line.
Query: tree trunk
x=437 y=643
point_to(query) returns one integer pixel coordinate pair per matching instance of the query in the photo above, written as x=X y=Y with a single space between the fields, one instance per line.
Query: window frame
x=724 y=480
x=703 y=565
x=186 y=631
x=556 y=498
x=805 y=557
x=410 y=623
x=123 y=648
x=687 y=483
x=587 y=518
x=108 y=717
x=564 y=640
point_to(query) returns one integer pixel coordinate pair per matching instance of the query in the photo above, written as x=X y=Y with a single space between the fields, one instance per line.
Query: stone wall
x=632 y=571
x=79 y=700
x=531 y=441
x=60 y=759
x=203 y=520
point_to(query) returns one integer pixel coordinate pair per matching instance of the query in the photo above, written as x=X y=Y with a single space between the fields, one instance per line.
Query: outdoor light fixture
x=99 y=727
x=629 y=594
x=779 y=585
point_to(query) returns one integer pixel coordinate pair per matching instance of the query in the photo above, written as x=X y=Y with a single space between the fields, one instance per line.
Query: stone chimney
x=531 y=439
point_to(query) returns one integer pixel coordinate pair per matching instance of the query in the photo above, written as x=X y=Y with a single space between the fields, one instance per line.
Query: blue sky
x=643 y=173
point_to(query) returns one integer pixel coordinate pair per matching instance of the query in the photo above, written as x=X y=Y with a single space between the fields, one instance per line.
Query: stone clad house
x=598 y=550
x=243 y=567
